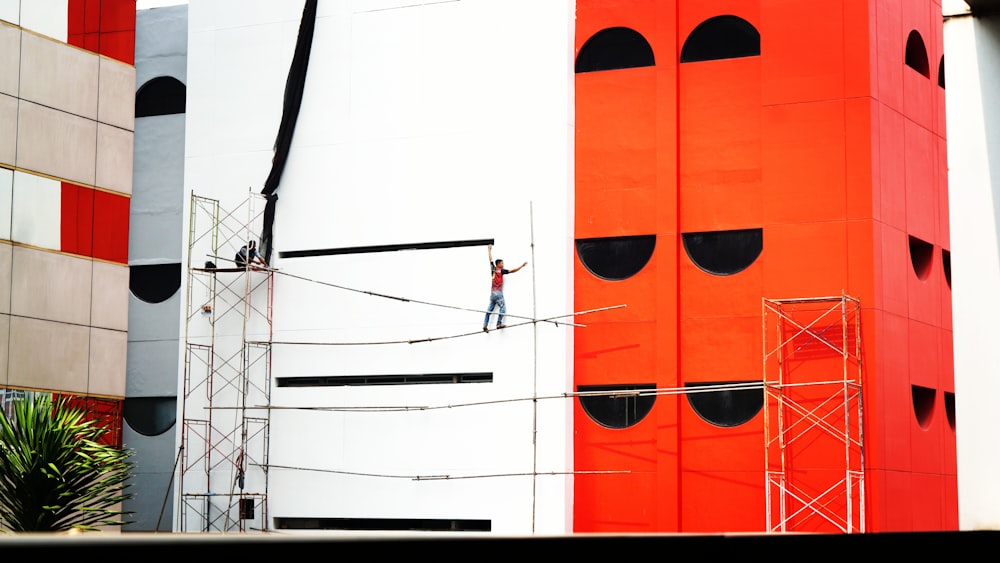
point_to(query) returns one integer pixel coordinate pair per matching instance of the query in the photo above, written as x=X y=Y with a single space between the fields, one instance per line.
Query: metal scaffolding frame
x=223 y=477
x=813 y=425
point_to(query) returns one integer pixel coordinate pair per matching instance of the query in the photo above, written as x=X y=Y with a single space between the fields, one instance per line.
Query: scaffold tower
x=223 y=478
x=813 y=426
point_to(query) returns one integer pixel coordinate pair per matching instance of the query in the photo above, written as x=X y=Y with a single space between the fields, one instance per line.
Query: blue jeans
x=496 y=298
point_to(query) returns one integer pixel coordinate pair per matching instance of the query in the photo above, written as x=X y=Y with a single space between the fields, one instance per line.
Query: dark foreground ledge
x=274 y=545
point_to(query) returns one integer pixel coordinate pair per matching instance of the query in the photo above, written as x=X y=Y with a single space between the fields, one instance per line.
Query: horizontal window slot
x=384 y=524
x=386 y=379
x=383 y=248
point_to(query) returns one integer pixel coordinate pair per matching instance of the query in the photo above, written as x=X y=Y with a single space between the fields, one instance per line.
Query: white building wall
x=972 y=51
x=421 y=123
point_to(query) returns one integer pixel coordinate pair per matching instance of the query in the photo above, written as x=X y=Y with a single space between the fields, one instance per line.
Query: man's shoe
x=501 y=326
x=485 y=329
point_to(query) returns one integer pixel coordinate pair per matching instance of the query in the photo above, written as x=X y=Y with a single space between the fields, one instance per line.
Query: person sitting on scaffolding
x=247 y=256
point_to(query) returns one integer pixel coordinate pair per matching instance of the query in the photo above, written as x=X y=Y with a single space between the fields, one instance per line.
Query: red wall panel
x=861 y=182
x=106 y=27
x=805 y=63
x=705 y=295
x=709 y=500
x=921 y=182
x=720 y=146
x=613 y=353
x=890 y=41
x=111 y=216
x=890 y=416
x=804 y=162
x=891 y=133
x=928 y=502
x=806 y=259
x=77 y=219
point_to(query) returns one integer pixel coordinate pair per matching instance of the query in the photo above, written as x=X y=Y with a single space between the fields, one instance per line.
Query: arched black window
x=615 y=258
x=724 y=253
x=921 y=256
x=726 y=403
x=923 y=404
x=941 y=72
x=164 y=95
x=154 y=283
x=150 y=416
x=617 y=406
x=721 y=37
x=916 y=54
x=614 y=48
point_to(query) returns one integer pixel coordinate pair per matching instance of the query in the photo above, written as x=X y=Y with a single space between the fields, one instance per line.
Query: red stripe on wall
x=77 y=219
x=106 y=27
x=111 y=215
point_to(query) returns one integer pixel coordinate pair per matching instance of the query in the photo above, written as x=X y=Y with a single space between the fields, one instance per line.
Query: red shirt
x=498 y=278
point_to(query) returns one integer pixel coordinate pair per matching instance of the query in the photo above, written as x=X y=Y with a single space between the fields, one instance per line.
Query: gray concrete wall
x=156 y=237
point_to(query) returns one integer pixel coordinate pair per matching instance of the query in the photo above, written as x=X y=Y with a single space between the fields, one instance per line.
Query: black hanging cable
x=294 y=86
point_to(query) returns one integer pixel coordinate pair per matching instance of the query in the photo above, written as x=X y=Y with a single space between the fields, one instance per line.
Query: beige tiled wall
x=6 y=251
x=10 y=59
x=59 y=77
x=4 y=339
x=50 y=286
x=8 y=128
x=116 y=98
x=48 y=355
x=107 y=362
x=110 y=296
x=65 y=115
x=56 y=143
x=76 y=114
x=114 y=158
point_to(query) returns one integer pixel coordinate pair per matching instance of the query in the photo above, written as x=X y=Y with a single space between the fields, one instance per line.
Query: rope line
x=750 y=385
x=553 y=320
x=443 y=477
x=435 y=338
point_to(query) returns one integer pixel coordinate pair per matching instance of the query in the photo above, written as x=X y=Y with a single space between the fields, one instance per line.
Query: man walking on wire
x=497 y=272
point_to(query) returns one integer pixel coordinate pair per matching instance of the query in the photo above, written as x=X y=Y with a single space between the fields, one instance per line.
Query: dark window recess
x=614 y=48
x=615 y=258
x=721 y=37
x=384 y=524
x=724 y=253
x=154 y=283
x=949 y=408
x=923 y=404
x=150 y=416
x=725 y=407
x=921 y=256
x=946 y=265
x=382 y=248
x=392 y=379
x=617 y=406
x=164 y=95
x=916 y=54
x=941 y=72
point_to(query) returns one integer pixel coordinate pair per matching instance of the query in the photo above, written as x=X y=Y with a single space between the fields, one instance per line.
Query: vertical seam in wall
x=93 y=206
x=680 y=397
x=10 y=218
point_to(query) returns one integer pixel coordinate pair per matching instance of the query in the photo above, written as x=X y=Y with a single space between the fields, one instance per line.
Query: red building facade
x=734 y=152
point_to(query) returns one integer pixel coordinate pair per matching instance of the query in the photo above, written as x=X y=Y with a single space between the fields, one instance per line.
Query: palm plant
x=54 y=473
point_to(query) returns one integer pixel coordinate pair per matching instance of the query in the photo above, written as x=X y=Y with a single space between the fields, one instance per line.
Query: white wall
x=47 y=17
x=442 y=121
x=972 y=52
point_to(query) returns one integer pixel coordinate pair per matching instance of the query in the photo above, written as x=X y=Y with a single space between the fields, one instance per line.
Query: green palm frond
x=54 y=473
